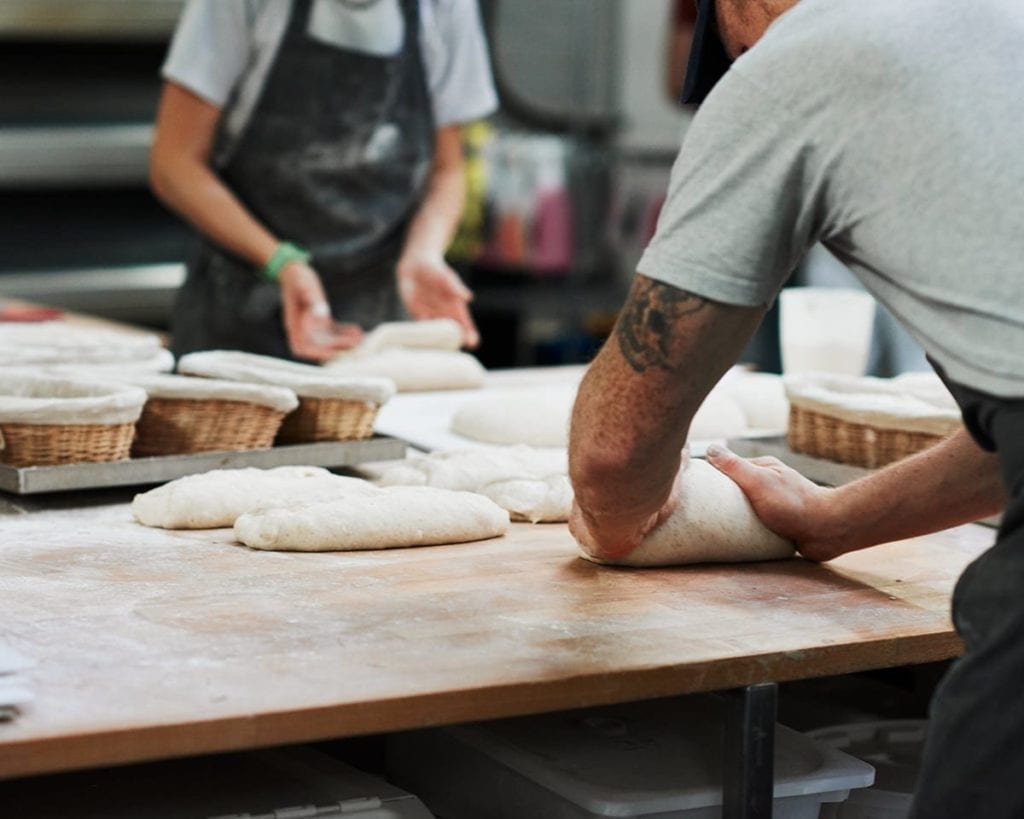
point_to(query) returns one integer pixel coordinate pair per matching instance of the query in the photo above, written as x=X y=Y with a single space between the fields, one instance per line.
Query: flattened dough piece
x=213 y=500
x=539 y=417
x=534 y=416
x=472 y=468
x=547 y=500
x=531 y=483
x=389 y=518
x=714 y=523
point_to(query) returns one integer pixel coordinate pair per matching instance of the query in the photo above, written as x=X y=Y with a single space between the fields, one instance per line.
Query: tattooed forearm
x=646 y=329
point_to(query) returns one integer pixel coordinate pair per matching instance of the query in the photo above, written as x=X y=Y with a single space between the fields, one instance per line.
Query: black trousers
x=974 y=755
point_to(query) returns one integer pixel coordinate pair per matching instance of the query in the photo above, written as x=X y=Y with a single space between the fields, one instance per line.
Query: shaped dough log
x=714 y=523
x=215 y=499
x=413 y=370
x=389 y=518
x=431 y=334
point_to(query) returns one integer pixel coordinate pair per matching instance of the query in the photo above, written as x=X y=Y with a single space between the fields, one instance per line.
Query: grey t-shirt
x=893 y=132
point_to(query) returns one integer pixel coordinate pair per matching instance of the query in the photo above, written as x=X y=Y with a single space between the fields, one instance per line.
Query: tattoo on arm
x=646 y=329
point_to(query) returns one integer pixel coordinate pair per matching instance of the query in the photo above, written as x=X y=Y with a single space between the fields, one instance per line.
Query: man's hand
x=312 y=334
x=607 y=543
x=785 y=501
x=431 y=289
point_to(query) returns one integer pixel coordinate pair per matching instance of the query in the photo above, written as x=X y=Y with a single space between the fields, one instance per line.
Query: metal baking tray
x=28 y=480
x=819 y=470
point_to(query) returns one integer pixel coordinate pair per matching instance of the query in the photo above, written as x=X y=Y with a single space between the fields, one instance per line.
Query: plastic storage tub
x=653 y=759
x=292 y=782
x=894 y=748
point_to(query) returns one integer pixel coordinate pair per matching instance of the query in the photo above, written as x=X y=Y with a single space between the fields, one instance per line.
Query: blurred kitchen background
x=565 y=183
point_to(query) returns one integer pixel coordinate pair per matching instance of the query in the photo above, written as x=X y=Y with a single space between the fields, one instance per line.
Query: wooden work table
x=152 y=644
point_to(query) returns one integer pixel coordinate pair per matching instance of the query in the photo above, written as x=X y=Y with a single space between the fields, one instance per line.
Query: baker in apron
x=327 y=142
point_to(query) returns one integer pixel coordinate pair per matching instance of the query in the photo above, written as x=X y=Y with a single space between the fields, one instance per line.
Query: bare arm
x=951 y=483
x=635 y=405
x=181 y=177
x=429 y=287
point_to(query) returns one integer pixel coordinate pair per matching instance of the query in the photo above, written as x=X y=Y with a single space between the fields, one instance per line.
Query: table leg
x=748 y=772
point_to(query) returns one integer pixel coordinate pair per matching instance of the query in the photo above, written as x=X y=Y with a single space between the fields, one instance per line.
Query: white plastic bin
x=294 y=782
x=894 y=748
x=654 y=759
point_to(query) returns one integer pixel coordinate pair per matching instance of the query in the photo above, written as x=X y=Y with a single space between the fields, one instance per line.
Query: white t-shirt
x=889 y=130
x=214 y=42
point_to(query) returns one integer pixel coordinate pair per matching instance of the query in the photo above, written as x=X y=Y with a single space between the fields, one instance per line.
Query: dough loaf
x=213 y=500
x=399 y=516
x=413 y=370
x=431 y=334
x=714 y=523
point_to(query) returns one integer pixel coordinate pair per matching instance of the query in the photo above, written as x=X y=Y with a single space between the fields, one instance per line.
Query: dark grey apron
x=334 y=157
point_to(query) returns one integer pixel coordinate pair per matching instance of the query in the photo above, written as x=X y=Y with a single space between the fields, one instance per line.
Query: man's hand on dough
x=610 y=542
x=312 y=333
x=605 y=543
x=785 y=501
x=431 y=289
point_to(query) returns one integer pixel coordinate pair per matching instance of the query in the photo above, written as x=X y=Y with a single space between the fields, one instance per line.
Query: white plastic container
x=293 y=782
x=654 y=759
x=825 y=329
x=894 y=748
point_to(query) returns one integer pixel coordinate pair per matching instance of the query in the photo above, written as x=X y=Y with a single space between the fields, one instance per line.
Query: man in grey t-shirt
x=890 y=132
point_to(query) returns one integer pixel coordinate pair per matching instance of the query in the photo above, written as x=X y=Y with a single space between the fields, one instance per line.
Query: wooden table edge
x=59 y=753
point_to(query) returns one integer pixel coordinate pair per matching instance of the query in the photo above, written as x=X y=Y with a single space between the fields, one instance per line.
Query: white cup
x=825 y=329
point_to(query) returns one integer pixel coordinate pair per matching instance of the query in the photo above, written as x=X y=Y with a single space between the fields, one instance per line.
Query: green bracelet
x=284 y=254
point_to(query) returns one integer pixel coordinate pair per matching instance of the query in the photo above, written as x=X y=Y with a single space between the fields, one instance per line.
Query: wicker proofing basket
x=824 y=436
x=328 y=419
x=53 y=444
x=173 y=426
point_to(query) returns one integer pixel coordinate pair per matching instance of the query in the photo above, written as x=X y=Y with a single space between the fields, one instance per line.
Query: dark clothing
x=335 y=157
x=974 y=757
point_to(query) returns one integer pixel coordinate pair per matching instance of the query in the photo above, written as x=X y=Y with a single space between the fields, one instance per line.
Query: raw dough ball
x=762 y=397
x=389 y=518
x=213 y=500
x=413 y=370
x=714 y=523
x=718 y=418
x=540 y=417
x=535 y=416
